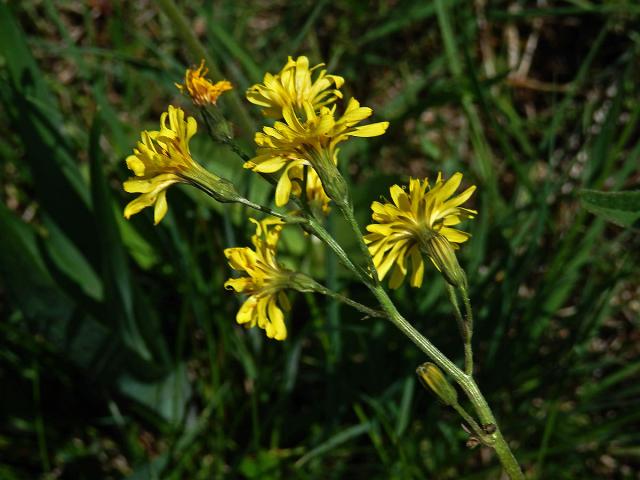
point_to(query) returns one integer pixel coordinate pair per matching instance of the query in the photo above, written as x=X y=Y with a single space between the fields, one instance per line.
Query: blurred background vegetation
x=119 y=354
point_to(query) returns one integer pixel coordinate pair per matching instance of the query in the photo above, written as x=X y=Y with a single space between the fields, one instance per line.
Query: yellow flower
x=293 y=87
x=316 y=195
x=161 y=159
x=201 y=90
x=265 y=282
x=294 y=143
x=421 y=220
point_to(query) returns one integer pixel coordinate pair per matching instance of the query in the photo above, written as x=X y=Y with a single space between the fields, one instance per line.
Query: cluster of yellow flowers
x=302 y=146
x=307 y=130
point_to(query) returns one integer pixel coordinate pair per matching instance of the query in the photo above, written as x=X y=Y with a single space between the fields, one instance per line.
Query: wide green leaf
x=621 y=208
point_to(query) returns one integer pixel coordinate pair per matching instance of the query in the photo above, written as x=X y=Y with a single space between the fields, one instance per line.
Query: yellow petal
x=355 y=114
x=261 y=313
x=134 y=185
x=372 y=130
x=397 y=278
x=417 y=267
x=451 y=185
x=240 y=258
x=192 y=128
x=389 y=260
x=136 y=165
x=246 y=314
x=400 y=198
x=454 y=235
x=277 y=321
x=271 y=165
x=283 y=189
x=161 y=207
x=143 y=201
x=240 y=285
x=460 y=199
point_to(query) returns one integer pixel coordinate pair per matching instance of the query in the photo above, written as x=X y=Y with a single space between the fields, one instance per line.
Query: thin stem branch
x=477 y=429
x=357 y=305
x=468 y=349
x=315 y=227
x=464 y=327
x=346 y=208
x=256 y=206
x=262 y=208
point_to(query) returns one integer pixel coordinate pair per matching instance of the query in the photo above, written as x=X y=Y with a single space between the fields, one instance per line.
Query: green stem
x=187 y=35
x=473 y=424
x=464 y=380
x=464 y=326
x=319 y=231
x=203 y=186
x=357 y=305
x=262 y=208
x=346 y=208
x=469 y=330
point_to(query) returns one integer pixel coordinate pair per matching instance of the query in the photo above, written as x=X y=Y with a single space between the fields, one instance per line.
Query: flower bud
x=433 y=379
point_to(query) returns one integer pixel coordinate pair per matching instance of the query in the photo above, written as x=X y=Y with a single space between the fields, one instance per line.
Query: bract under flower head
x=294 y=86
x=201 y=90
x=265 y=280
x=401 y=228
x=311 y=141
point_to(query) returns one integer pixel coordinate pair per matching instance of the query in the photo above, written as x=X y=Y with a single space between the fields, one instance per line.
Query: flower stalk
x=464 y=380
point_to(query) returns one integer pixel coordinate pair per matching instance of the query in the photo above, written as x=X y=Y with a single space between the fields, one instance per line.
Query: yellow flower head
x=312 y=141
x=402 y=229
x=293 y=87
x=161 y=159
x=201 y=90
x=265 y=280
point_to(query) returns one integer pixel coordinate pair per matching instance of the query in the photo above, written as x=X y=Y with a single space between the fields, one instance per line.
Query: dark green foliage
x=622 y=208
x=119 y=353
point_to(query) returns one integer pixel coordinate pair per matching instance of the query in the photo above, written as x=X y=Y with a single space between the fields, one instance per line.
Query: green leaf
x=621 y=208
x=139 y=331
x=54 y=315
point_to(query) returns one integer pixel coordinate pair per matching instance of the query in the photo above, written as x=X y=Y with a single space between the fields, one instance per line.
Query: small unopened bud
x=442 y=254
x=433 y=379
x=472 y=442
